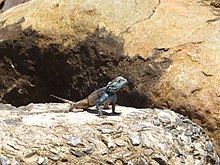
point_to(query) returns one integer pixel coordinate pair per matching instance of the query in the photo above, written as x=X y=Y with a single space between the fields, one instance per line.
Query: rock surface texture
x=42 y=134
x=167 y=49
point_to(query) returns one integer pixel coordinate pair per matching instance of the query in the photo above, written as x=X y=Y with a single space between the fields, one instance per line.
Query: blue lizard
x=103 y=96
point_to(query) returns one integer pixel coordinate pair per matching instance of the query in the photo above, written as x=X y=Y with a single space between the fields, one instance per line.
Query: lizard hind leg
x=113 y=105
x=106 y=104
x=82 y=104
x=71 y=108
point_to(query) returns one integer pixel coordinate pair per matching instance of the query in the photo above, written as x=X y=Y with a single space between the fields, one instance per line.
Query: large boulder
x=43 y=134
x=190 y=84
x=71 y=48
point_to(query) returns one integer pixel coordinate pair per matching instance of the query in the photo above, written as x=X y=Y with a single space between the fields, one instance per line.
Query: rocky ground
x=42 y=134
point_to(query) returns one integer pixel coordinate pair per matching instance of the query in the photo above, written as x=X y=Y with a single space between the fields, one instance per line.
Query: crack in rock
x=154 y=10
x=140 y=21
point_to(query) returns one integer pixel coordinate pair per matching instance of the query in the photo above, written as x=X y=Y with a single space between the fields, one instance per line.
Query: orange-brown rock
x=190 y=85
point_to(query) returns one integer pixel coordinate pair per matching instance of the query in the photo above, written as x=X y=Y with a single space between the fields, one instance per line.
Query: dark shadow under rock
x=31 y=73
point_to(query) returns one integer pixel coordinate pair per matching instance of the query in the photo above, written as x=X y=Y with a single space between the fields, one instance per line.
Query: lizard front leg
x=103 y=98
x=113 y=104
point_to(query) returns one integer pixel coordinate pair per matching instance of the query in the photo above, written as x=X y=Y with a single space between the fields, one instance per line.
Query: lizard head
x=116 y=84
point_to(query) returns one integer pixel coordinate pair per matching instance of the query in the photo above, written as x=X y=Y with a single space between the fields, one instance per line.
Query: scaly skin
x=103 y=96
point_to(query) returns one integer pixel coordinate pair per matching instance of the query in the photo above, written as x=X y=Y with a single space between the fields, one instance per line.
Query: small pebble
x=110 y=145
x=148 y=152
x=146 y=142
x=4 y=160
x=76 y=152
x=187 y=121
x=179 y=122
x=88 y=150
x=192 y=148
x=106 y=130
x=160 y=160
x=169 y=127
x=180 y=142
x=54 y=157
x=141 y=127
x=194 y=137
x=15 y=162
x=156 y=123
x=163 y=148
x=182 y=160
x=196 y=130
x=143 y=162
x=180 y=152
x=130 y=162
x=126 y=154
x=135 y=139
x=209 y=146
x=74 y=141
x=120 y=143
x=188 y=133
x=164 y=120
x=40 y=161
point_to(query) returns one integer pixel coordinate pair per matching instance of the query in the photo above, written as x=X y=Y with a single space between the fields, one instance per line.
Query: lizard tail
x=64 y=100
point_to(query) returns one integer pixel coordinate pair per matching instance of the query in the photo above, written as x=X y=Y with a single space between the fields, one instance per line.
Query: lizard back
x=91 y=100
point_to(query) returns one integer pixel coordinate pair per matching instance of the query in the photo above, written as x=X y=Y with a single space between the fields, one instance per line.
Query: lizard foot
x=116 y=113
